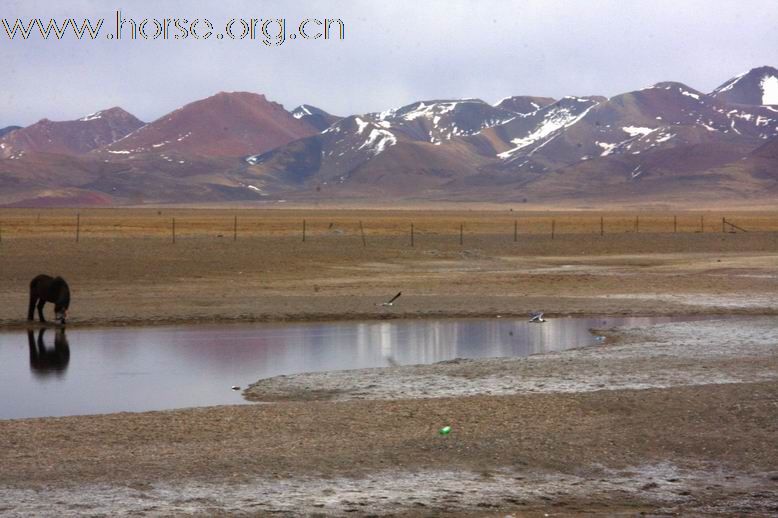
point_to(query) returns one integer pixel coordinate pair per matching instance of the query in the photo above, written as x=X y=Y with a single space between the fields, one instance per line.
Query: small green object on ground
x=445 y=430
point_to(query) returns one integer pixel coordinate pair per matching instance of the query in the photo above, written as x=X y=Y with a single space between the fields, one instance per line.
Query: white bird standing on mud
x=390 y=302
x=537 y=317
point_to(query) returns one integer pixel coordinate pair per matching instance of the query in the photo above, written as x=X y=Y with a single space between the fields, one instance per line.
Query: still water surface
x=93 y=371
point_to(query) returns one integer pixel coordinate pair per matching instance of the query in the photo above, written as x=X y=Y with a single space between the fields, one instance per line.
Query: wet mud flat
x=677 y=418
x=661 y=489
x=662 y=356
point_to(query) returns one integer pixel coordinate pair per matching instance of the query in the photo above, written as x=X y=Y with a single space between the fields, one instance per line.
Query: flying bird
x=537 y=317
x=390 y=302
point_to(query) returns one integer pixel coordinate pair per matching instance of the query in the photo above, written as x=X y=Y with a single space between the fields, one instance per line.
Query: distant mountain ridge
x=667 y=141
x=8 y=129
x=524 y=104
x=758 y=86
x=75 y=137
x=225 y=124
x=314 y=116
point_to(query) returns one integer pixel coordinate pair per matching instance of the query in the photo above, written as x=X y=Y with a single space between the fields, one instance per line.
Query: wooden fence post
x=303 y=231
x=675 y=224
x=461 y=233
x=362 y=231
x=235 y=229
x=174 y=230
x=553 y=228
x=78 y=226
x=602 y=226
x=515 y=230
x=411 y=234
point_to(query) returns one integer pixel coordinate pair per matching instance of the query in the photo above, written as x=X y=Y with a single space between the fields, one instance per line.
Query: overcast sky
x=395 y=52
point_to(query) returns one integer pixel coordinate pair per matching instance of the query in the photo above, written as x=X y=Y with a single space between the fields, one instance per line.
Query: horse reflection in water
x=45 y=361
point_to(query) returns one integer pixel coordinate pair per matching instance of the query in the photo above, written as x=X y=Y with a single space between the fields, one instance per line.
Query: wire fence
x=307 y=226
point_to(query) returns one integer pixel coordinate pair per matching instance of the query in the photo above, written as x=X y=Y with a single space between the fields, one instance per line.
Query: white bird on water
x=537 y=317
x=390 y=302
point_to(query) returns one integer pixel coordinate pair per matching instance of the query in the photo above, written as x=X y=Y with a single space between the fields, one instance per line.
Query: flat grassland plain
x=674 y=418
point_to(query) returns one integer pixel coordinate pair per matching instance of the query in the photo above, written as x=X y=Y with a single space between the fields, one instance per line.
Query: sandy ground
x=673 y=419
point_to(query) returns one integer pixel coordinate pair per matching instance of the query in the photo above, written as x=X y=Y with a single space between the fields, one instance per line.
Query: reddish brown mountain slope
x=70 y=137
x=226 y=124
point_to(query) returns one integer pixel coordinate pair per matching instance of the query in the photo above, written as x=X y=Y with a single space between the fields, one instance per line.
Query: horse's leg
x=31 y=309
x=41 y=303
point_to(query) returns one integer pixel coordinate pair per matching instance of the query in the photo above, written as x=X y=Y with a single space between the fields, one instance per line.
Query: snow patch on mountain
x=555 y=120
x=769 y=86
x=430 y=111
x=378 y=141
x=91 y=117
x=301 y=111
x=635 y=131
x=361 y=125
x=607 y=148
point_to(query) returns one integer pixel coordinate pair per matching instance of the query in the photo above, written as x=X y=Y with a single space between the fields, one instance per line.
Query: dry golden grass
x=116 y=223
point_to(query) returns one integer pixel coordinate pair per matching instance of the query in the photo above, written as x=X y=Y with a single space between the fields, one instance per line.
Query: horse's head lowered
x=61 y=314
x=63 y=301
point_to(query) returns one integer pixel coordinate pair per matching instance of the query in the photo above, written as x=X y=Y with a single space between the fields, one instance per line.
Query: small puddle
x=95 y=371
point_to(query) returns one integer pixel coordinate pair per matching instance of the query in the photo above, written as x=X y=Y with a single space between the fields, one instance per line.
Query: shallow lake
x=93 y=371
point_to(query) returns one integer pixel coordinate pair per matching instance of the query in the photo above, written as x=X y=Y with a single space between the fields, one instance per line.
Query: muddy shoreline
x=691 y=312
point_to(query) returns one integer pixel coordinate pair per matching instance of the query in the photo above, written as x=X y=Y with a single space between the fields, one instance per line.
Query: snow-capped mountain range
x=658 y=140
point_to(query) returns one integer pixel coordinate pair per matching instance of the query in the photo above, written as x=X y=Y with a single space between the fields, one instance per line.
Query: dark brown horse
x=45 y=289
